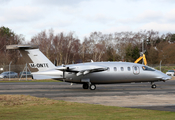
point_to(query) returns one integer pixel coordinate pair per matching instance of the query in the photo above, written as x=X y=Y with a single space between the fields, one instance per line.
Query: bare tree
x=8 y=37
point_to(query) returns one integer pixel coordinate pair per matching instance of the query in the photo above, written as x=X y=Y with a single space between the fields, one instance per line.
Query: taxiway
x=135 y=95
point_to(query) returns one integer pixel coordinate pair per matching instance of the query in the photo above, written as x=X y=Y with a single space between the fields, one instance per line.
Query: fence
x=164 y=68
x=14 y=68
x=19 y=68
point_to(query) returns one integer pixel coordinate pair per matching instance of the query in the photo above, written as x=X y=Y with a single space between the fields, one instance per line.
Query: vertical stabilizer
x=36 y=60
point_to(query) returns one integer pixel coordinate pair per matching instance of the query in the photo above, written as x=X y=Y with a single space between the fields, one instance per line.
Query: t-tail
x=36 y=60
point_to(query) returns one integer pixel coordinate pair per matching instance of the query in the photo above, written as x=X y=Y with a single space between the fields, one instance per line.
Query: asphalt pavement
x=134 y=95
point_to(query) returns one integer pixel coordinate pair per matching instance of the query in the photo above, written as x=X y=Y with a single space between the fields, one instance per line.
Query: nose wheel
x=153 y=86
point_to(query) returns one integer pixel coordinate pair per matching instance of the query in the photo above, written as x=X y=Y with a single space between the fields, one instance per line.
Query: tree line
x=66 y=48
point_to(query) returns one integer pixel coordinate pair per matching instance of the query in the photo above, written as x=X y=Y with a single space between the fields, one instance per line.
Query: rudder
x=36 y=60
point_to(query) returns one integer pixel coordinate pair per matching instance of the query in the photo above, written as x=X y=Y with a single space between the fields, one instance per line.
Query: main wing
x=82 y=69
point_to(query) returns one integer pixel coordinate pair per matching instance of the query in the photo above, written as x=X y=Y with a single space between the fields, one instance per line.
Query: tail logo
x=39 y=65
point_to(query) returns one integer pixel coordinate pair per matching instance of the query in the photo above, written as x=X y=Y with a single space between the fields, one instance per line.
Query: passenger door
x=136 y=70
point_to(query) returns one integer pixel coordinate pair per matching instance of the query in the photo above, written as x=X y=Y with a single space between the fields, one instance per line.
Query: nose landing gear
x=153 y=86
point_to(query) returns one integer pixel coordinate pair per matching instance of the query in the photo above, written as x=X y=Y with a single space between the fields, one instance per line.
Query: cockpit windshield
x=146 y=68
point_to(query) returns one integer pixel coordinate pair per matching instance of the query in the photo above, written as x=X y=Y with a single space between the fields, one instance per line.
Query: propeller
x=64 y=72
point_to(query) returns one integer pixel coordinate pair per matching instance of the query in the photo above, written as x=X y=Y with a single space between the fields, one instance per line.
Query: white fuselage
x=117 y=72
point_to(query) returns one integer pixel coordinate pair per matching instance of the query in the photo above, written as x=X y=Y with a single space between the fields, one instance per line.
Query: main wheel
x=153 y=86
x=92 y=87
x=85 y=86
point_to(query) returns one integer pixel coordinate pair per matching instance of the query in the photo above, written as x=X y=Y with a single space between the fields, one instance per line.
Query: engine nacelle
x=79 y=73
x=86 y=72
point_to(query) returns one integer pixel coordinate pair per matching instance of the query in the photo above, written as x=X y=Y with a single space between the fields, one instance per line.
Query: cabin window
x=122 y=69
x=129 y=69
x=146 y=68
x=115 y=69
x=135 y=68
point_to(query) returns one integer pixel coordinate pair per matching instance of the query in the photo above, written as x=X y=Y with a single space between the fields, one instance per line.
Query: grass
x=164 y=69
x=23 y=107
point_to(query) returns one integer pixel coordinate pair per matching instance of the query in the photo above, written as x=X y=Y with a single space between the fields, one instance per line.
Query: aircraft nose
x=166 y=78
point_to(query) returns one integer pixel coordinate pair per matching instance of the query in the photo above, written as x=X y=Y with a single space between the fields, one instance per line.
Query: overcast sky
x=29 y=17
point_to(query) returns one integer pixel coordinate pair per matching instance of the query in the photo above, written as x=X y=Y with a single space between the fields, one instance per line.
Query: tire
x=85 y=86
x=154 y=86
x=92 y=86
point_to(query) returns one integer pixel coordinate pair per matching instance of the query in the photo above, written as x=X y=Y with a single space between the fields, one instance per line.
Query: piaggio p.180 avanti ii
x=88 y=74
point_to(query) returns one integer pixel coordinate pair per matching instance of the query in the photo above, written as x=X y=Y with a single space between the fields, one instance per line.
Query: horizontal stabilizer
x=22 y=47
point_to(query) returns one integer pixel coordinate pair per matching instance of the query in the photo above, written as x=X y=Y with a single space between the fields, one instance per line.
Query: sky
x=30 y=17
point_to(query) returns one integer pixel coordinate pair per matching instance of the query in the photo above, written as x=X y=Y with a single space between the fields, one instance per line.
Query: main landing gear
x=153 y=86
x=91 y=86
x=85 y=86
